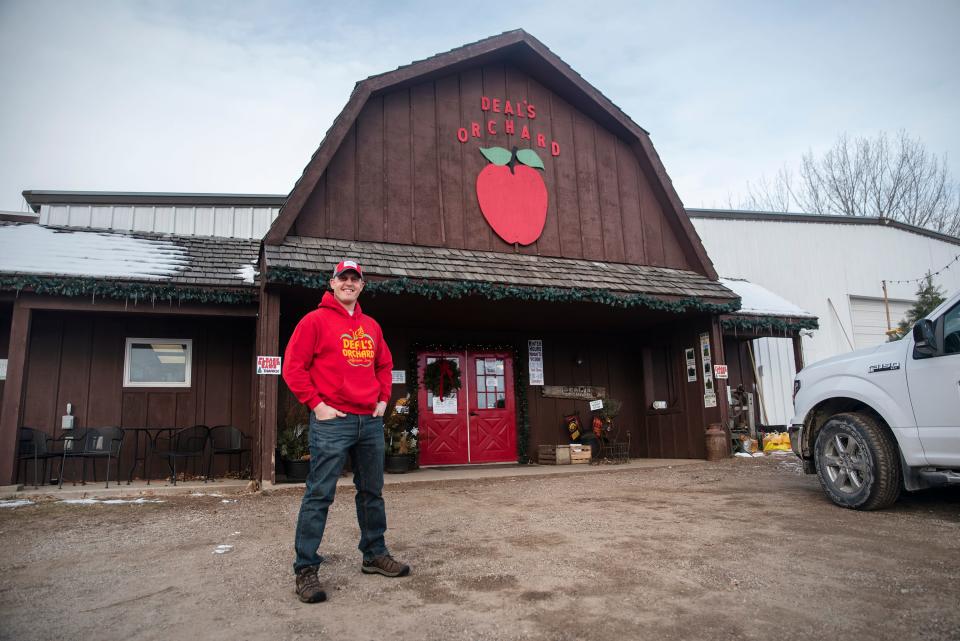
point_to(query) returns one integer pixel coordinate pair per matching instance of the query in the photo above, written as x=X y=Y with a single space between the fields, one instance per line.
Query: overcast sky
x=235 y=96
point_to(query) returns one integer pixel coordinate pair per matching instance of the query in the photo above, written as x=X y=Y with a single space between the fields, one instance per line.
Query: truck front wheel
x=857 y=463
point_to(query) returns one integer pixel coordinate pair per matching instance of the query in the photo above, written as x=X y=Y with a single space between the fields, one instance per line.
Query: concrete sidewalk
x=422 y=475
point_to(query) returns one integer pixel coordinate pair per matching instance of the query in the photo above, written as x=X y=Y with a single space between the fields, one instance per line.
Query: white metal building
x=831 y=266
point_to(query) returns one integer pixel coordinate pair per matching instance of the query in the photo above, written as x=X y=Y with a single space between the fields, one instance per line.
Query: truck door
x=934 y=384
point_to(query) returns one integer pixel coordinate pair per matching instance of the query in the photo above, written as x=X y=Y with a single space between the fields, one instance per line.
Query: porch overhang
x=439 y=272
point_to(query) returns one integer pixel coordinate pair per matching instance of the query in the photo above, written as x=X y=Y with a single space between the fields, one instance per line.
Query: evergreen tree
x=928 y=297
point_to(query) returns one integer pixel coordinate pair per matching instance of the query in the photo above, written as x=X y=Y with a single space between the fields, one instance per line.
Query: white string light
x=936 y=273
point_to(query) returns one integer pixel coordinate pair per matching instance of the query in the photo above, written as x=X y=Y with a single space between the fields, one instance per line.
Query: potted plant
x=293 y=443
x=400 y=439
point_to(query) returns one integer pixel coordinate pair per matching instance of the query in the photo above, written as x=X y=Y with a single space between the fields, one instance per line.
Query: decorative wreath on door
x=442 y=377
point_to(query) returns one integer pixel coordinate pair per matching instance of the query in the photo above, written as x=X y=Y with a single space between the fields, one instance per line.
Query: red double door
x=477 y=424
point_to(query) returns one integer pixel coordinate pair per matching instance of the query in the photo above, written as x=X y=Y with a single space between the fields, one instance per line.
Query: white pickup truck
x=875 y=421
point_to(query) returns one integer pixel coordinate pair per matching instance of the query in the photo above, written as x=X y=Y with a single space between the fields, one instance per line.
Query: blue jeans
x=360 y=436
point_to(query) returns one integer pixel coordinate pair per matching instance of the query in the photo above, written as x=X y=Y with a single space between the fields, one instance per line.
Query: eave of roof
x=824 y=219
x=102 y=254
x=37 y=197
x=385 y=260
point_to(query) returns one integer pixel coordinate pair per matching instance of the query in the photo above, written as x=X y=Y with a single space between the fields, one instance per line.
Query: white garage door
x=870 y=319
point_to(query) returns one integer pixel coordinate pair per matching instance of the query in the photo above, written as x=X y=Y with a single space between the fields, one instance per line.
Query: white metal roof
x=759 y=301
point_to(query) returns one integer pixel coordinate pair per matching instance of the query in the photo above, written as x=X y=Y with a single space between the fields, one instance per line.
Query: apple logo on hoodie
x=358 y=348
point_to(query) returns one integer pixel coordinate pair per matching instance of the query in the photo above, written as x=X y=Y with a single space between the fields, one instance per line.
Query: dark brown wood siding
x=610 y=355
x=402 y=176
x=6 y=313
x=78 y=358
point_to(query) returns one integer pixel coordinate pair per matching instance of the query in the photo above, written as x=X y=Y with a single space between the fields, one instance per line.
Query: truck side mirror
x=924 y=338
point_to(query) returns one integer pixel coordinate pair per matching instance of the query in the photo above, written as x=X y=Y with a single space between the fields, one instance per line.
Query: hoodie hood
x=329 y=301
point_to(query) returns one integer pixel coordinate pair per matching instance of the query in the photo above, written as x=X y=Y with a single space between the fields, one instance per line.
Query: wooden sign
x=581 y=392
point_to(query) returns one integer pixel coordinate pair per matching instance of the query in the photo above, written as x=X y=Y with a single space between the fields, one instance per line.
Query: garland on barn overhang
x=519 y=384
x=768 y=323
x=454 y=289
x=137 y=292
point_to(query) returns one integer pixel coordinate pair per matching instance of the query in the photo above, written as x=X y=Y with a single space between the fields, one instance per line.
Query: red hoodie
x=339 y=359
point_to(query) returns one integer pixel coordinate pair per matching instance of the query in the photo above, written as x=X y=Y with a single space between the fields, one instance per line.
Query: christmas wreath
x=442 y=377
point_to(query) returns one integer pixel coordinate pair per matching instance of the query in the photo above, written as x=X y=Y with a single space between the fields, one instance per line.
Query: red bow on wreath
x=445 y=372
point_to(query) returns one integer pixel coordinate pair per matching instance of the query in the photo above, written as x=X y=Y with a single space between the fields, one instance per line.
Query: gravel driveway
x=743 y=549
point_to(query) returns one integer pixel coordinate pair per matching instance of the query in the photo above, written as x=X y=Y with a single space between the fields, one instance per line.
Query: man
x=338 y=364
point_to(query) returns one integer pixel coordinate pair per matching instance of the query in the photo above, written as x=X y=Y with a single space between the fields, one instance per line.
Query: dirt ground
x=743 y=549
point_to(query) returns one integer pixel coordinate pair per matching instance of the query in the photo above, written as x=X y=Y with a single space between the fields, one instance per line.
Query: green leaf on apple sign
x=496 y=155
x=530 y=158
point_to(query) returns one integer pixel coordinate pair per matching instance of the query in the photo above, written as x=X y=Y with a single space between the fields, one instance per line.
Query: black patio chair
x=93 y=443
x=187 y=443
x=35 y=445
x=227 y=440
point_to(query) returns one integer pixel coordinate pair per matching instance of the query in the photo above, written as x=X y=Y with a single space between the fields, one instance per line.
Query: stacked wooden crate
x=573 y=454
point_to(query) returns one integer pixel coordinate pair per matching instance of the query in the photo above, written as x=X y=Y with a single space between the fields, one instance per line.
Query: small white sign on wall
x=399 y=376
x=3 y=369
x=596 y=405
x=535 y=361
x=445 y=405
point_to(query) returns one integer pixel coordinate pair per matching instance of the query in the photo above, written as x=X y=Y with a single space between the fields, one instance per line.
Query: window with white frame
x=157 y=362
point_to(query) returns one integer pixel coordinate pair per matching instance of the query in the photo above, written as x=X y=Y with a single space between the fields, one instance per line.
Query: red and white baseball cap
x=346 y=266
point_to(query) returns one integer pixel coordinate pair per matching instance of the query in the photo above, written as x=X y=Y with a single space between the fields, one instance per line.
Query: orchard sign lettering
x=512 y=113
x=510 y=190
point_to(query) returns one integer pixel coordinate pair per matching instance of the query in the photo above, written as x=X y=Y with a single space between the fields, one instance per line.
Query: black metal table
x=149 y=445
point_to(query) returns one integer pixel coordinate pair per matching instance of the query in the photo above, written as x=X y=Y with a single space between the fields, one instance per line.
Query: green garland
x=431 y=377
x=137 y=292
x=519 y=384
x=439 y=290
x=768 y=323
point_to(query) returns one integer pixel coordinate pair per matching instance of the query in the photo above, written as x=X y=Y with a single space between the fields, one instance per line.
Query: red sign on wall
x=513 y=113
x=510 y=190
x=268 y=365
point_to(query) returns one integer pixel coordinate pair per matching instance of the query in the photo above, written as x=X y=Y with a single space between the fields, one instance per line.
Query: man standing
x=338 y=364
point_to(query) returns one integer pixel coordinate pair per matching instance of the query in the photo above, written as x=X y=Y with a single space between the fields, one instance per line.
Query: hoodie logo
x=358 y=348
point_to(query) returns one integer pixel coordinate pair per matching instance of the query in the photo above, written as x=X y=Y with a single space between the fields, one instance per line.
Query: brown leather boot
x=308 y=585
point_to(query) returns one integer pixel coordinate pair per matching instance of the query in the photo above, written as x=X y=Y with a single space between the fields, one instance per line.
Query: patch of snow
x=223 y=549
x=760 y=301
x=247 y=273
x=202 y=494
x=139 y=501
x=33 y=249
x=229 y=501
x=12 y=503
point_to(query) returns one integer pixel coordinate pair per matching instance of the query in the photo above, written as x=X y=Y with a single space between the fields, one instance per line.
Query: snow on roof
x=32 y=249
x=758 y=301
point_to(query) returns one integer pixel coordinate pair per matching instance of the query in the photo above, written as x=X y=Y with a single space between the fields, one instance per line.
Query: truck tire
x=857 y=463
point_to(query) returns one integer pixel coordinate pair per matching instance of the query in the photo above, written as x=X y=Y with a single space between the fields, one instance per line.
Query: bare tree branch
x=895 y=178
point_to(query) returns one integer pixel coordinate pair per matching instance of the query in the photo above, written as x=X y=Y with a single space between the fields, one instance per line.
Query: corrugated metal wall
x=822 y=267
x=225 y=222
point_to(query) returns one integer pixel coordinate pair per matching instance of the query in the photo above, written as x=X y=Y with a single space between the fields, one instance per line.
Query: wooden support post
x=13 y=390
x=268 y=344
x=720 y=357
x=798 y=351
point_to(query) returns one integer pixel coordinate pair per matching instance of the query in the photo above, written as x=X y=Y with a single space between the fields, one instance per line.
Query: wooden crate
x=563 y=454
x=579 y=454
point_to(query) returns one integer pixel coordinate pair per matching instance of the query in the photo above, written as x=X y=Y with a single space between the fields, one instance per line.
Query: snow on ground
x=11 y=503
x=140 y=501
x=760 y=301
x=32 y=249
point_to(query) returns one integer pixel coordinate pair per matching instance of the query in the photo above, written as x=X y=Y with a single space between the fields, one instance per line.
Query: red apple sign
x=512 y=195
